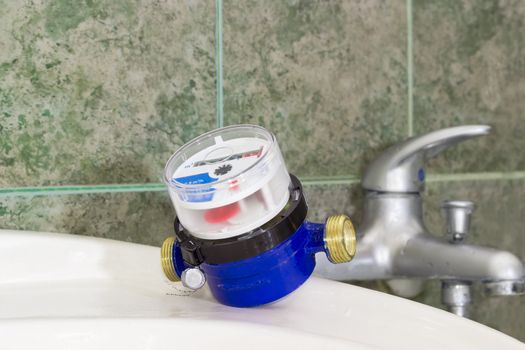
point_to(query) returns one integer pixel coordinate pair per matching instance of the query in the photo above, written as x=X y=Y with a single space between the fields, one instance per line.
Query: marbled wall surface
x=469 y=67
x=96 y=92
x=324 y=75
x=99 y=92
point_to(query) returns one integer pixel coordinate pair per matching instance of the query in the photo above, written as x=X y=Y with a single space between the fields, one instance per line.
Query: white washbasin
x=61 y=291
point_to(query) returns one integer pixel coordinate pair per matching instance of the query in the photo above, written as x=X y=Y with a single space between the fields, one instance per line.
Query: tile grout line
x=329 y=180
x=410 y=68
x=306 y=181
x=219 y=105
x=482 y=176
x=81 y=189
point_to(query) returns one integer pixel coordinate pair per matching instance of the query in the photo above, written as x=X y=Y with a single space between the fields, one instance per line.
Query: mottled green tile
x=469 y=68
x=101 y=91
x=327 y=77
x=496 y=222
x=502 y=313
x=145 y=218
x=326 y=200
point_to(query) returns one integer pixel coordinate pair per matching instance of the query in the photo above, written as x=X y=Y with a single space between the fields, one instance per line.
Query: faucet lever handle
x=401 y=167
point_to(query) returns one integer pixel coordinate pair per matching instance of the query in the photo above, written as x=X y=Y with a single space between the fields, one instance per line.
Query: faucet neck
x=393 y=212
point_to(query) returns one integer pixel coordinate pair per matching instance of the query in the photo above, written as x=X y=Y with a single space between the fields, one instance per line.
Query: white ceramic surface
x=61 y=291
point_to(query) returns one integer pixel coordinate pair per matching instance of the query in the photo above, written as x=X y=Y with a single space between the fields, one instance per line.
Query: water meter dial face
x=228 y=182
x=223 y=162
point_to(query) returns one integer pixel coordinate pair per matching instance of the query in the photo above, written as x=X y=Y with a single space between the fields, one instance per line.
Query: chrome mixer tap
x=394 y=244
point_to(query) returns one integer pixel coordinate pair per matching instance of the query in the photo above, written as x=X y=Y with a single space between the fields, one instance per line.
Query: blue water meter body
x=260 y=266
x=266 y=277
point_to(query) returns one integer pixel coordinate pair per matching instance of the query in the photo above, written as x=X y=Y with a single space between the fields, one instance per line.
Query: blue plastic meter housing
x=268 y=276
x=261 y=266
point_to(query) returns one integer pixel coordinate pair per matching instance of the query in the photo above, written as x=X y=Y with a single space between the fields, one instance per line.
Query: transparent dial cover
x=228 y=181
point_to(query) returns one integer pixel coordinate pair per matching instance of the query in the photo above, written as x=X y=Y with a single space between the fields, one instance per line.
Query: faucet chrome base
x=394 y=244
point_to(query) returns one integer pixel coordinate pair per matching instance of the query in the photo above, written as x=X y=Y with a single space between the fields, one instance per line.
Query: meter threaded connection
x=166 y=259
x=339 y=239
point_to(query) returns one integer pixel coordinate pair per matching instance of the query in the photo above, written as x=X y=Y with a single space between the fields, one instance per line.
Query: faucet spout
x=429 y=257
x=424 y=256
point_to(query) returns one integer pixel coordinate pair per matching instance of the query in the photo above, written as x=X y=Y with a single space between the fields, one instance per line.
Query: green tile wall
x=95 y=96
x=143 y=217
x=95 y=92
x=324 y=75
x=469 y=67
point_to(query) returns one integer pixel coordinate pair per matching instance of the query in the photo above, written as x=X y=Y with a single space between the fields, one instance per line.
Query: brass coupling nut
x=166 y=259
x=339 y=239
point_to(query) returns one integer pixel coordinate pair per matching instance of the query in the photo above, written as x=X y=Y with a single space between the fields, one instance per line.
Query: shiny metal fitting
x=458 y=219
x=166 y=259
x=339 y=239
x=457 y=297
x=503 y=288
x=193 y=278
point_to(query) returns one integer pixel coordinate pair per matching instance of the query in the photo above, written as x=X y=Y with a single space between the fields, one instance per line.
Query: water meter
x=241 y=219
